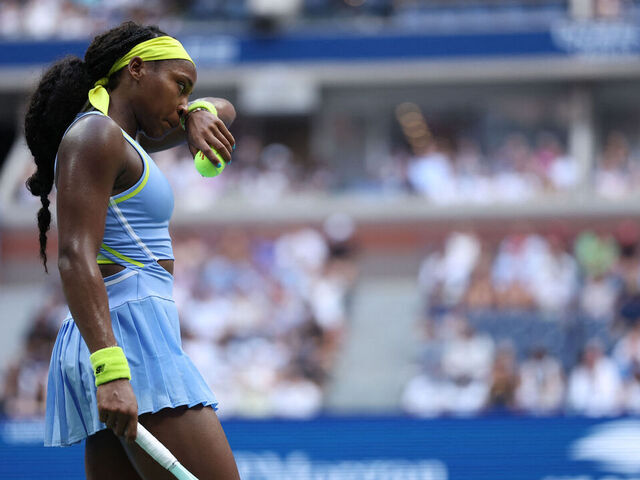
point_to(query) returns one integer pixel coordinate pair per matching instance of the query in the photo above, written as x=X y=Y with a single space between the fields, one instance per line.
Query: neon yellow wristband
x=109 y=364
x=198 y=105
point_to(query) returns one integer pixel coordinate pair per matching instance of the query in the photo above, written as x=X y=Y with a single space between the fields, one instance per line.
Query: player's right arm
x=90 y=158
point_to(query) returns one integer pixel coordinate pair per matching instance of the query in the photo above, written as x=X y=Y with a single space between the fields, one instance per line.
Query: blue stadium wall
x=564 y=39
x=487 y=448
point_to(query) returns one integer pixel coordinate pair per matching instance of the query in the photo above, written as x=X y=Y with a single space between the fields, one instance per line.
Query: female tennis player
x=118 y=356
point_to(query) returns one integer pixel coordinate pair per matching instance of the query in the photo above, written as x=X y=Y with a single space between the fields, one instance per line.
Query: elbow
x=226 y=111
x=65 y=264
x=72 y=259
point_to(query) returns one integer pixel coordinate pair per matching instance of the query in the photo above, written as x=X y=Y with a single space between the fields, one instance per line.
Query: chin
x=157 y=133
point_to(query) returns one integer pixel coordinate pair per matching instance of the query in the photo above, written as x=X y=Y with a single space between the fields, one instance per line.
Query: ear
x=136 y=68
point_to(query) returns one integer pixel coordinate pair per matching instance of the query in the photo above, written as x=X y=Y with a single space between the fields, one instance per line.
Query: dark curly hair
x=60 y=95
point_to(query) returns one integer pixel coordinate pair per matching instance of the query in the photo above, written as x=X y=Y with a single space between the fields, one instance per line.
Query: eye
x=182 y=87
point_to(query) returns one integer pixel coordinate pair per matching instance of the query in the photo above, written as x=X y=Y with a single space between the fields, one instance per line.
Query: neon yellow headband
x=159 y=48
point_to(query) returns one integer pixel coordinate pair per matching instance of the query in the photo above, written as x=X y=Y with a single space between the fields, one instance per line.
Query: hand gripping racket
x=161 y=454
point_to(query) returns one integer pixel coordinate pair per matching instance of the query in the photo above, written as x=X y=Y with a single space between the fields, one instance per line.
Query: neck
x=121 y=112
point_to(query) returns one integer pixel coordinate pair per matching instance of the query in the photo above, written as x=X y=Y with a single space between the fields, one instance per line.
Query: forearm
x=177 y=136
x=87 y=299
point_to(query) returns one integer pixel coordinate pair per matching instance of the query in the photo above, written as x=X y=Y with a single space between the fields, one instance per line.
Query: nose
x=183 y=108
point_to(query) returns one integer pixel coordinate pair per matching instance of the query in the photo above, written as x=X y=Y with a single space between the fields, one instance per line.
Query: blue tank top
x=136 y=230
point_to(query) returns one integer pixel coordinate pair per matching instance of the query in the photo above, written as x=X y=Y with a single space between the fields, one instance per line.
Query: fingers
x=193 y=150
x=131 y=432
x=212 y=145
x=220 y=144
x=218 y=129
x=104 y=417
x=210 y=136
x=120 y=425
x=123 y=424
x=110 y=420
x=227 y=134
x=126 y=427
x=211 y=154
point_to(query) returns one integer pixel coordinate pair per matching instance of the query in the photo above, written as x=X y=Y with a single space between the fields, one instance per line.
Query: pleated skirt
x=147 y=328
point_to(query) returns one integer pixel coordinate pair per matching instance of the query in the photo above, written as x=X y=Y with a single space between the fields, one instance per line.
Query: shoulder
x=94 y=136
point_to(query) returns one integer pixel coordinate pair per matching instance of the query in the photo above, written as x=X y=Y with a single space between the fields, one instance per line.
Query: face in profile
x=163 y=94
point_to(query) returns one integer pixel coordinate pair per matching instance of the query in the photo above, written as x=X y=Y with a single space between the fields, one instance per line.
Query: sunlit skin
x=94 y=163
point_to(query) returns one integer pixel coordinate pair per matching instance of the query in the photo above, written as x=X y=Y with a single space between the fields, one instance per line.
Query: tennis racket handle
x=153 y=447
x=161 y=454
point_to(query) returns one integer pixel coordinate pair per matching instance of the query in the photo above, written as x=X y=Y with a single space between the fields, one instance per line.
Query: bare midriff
x=112 y=269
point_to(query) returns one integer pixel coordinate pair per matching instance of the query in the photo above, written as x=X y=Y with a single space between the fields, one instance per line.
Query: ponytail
x=60 y=95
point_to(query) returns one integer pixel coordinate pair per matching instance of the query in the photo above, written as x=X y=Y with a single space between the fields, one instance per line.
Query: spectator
x=431 y=174
x=423 y=396
x=515 y=178
x=631 y=390
x=628 y=270
x=456 y=382
x=554 y=284
x=555 y=168
x=598 y=296
x=481 y=295
x=24 y=389
x=466 y=353
x=514 y=268
x=611 y=177
x=444 y=277
x=597 y=255
x=595 y=386
x=503 y=380
x=10 y=19
x=541 y=387
x=428 y=396
x=295 y=395
x=626 y=352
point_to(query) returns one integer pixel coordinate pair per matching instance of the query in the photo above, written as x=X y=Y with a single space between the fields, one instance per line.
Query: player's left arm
x=202 y=127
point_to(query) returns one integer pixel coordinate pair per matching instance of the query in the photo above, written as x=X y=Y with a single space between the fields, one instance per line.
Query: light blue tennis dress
x=143 y=316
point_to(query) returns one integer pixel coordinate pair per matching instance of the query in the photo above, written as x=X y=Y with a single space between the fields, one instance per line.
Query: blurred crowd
x=262 y=319
x=595 y=273
x=518 y=169
x=464 y=371
x=79 y=19
x=445 y=173
x=540 y=324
